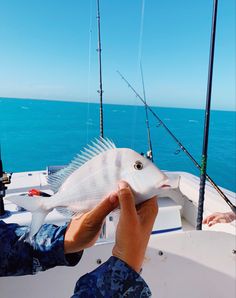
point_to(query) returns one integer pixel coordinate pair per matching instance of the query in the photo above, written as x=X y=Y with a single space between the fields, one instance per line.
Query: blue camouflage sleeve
x=115 y=279
x=45 y=251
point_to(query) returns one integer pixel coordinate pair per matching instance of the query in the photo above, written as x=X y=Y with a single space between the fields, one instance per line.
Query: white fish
x=91 y=176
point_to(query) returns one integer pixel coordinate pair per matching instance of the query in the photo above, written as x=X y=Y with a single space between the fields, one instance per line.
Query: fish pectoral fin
x=38 y=218
x=65 y=211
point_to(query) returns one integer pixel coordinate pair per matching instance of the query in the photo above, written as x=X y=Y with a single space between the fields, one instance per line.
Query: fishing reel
x=5 y=179
x=148 y=155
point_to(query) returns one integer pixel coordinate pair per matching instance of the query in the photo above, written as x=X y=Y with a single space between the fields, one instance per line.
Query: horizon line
x=115 y=103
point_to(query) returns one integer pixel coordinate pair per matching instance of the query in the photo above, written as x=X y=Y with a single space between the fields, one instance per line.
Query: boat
x=178 y=257
x=180 y=261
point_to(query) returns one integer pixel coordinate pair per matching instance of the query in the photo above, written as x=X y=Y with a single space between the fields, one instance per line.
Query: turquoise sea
x=38 y=133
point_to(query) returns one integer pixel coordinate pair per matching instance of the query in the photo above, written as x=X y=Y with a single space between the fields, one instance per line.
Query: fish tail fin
x=38 y=218
x=30 y=203
x=35 y=206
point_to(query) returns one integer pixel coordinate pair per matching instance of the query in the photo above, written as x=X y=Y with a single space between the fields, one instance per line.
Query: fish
x=91 y=175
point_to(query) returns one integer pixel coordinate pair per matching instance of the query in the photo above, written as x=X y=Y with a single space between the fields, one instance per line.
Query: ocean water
x=38 y=133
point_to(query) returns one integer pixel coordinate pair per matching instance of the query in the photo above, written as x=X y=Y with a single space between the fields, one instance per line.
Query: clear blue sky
x=48 y=50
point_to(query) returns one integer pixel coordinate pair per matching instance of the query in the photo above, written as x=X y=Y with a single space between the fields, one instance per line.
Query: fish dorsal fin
x=97 y=147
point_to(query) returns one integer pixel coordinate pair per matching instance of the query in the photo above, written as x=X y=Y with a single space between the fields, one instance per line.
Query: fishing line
x=135 y=108
x=141 y=33
x=150 y=152
x=89 y=72
x=231 y=205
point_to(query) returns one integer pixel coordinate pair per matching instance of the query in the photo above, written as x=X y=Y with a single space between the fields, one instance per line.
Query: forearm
x=45 y=251
x=114 y=278
x=48 y=249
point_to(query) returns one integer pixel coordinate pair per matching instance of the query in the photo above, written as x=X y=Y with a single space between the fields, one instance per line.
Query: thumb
x=148 y=212
x=126 y=199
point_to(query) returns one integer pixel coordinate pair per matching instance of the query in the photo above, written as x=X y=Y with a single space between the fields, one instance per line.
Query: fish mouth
x=165 y=186
x=160 y=190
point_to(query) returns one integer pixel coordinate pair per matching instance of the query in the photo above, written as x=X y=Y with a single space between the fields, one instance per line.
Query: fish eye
x=138 y=165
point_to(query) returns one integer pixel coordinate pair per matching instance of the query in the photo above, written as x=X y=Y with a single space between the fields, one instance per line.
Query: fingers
x=126 y=200
x=213 y=222
x=104 y=207
x=148 y=212
x=149 y=205
x=124 y=196
x=210 y=218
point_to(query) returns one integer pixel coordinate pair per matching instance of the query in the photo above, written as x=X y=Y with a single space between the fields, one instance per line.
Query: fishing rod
x=207 y=121
x=149 y=153
x=100 y=91
x=2 y=188
x=231 y=205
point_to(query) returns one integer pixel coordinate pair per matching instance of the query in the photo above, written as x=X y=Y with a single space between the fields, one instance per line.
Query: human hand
x=219 y=217
x=134 y=227
x=82 y=232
